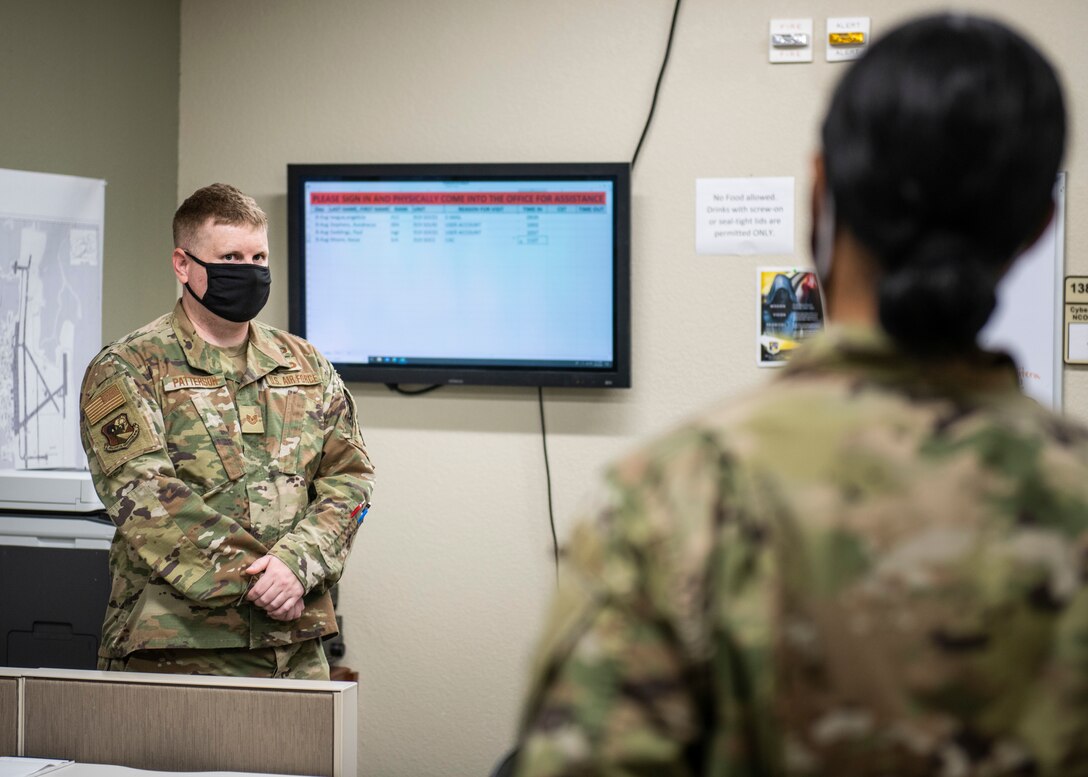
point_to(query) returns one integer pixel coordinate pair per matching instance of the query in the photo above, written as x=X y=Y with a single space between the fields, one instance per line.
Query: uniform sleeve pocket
x=117 y=428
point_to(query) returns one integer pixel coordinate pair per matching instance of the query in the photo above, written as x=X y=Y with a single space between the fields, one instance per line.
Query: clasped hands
x=278 y=592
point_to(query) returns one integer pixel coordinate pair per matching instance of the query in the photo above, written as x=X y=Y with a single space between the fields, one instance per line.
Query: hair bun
x=942 y=144
x=938 y=297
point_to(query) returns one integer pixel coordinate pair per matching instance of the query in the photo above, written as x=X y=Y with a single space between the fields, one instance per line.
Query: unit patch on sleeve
x=120 y=433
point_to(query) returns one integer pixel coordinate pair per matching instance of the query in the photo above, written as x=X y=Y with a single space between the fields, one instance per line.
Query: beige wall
x=91 y=89
x=452 y=569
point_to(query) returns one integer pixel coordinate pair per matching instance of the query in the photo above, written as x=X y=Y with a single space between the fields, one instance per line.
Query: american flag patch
x=102 y=403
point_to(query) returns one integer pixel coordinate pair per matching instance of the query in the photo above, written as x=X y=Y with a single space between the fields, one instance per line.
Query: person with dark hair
x=877 y=564
x=229 y=456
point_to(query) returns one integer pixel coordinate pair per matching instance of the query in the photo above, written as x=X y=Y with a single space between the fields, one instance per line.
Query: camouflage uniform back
x=872 y=567
x=204 y=471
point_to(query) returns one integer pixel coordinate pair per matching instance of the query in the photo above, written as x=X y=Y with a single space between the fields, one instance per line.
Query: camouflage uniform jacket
x=873 y=566
x=202 y=476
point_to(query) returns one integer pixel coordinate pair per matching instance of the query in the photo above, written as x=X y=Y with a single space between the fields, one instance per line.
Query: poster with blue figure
x=790 y=311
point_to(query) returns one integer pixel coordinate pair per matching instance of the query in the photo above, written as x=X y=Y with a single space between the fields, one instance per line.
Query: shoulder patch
x=114 y=426
x=293 y=379
x=192 y=381
x=108 y=399
x=119 y=433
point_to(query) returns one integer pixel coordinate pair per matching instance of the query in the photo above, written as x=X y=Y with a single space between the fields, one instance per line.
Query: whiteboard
x=1027 y=321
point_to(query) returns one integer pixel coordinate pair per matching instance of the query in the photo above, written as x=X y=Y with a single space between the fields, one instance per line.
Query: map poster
x=50 y=313
x=790 y=311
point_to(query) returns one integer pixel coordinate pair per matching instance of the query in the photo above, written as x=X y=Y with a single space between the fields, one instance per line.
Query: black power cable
x=395 y=387
x=540 y=389
x=548 y=474
x=660 y=76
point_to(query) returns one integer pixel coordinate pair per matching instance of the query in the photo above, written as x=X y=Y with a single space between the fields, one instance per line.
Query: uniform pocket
x=295 y=421
x=303 y=430
x=203 y=433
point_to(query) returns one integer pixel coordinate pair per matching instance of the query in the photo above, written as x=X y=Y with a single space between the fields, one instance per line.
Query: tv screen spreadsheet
x=495 y=272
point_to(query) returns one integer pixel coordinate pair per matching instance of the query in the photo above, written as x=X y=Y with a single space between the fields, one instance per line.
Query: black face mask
x=236 y=291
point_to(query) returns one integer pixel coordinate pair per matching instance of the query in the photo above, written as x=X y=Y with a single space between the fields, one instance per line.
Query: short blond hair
x=222 y=203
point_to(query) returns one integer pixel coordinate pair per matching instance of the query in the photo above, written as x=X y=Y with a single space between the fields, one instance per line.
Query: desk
x=182 y=722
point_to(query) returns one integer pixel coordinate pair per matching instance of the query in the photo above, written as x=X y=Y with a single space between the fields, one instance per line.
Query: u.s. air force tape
x=292 y=379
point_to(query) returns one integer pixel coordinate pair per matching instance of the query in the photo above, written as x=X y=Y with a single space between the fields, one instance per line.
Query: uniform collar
x=263 y=354
x=870 y=354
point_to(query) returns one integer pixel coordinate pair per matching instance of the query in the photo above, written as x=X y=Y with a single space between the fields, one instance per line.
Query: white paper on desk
x=25 y=767
x=106 y=770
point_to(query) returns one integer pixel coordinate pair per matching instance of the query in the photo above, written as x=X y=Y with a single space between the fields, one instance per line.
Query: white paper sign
x=1078 y=342
x=744 y=216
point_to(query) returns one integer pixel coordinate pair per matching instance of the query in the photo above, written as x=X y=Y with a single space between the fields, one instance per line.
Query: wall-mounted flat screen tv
x=492 y=274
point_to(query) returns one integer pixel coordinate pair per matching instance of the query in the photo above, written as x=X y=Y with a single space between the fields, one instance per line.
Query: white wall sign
x=744 y=216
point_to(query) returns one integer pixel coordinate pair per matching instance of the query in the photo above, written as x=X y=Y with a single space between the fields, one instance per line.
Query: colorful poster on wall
x=790 y=311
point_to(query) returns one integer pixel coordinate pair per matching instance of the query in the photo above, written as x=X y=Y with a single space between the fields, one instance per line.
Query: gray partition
x=9 y=716
x=182 y=723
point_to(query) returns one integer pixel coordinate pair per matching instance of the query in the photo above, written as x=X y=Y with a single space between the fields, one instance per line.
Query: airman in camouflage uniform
x=208 y=460
x=754 y=598
x=877 y=564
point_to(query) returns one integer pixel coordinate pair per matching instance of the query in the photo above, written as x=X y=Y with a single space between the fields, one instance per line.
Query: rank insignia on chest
x=252 y=419
x=119 y=433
